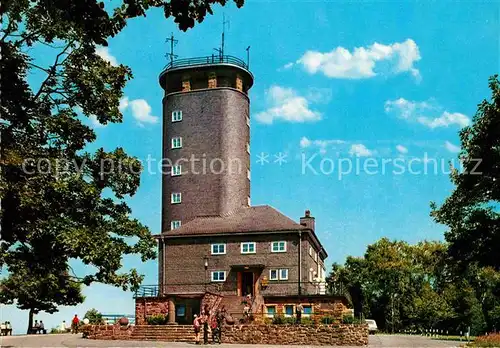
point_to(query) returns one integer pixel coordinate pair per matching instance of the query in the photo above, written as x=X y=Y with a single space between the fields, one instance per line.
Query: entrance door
x=247 y=283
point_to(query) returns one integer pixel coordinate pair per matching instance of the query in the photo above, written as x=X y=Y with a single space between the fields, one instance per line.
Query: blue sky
x=334 y=81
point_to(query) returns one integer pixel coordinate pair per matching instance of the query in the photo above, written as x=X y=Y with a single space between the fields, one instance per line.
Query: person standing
x=298 y=313
x=214 y=328
x=205 y=327
x=220 y=320
x=196 y=327
x=74 y=324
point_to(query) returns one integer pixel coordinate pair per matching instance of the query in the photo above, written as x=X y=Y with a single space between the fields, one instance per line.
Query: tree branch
x=52 y=70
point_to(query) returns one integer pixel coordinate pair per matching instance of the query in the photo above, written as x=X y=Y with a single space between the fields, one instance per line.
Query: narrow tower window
x=176 y=170
x=248 y=147
x=176 y=116
x=176 y=197
x=176 y=143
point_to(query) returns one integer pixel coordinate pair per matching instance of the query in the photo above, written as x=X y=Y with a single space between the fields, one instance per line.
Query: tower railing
x=213 y=59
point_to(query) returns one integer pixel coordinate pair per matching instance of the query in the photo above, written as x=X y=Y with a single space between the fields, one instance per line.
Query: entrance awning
x=248 y=267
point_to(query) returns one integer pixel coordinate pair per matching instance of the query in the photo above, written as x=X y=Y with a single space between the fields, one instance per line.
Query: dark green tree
x=35 y=289
x=472 y=211
x=94 y=316
x=58 y=201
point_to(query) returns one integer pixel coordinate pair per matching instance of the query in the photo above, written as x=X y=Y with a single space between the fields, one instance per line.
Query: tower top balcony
x=200 y=69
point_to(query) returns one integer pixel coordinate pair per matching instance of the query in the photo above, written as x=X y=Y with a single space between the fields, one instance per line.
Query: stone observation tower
x=206 y=138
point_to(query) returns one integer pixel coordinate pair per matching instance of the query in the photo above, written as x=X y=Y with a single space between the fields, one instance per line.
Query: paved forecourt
x=73 y=341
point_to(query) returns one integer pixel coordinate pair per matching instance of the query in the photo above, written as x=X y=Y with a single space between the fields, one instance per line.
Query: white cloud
x=413 y=111
x=445 y=120
x=286 y=105
x=103 y=52
x=321 y=144
x=451 y=147
x=288 y=65
x=304 y=142
x=402 y=149
x=362 y=61
x=360 y=150
x=95 y=122
x=123 y=104
x=141 y=110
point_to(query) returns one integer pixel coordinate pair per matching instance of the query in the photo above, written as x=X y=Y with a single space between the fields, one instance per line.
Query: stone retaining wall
x=107 y=332
x=321 y=335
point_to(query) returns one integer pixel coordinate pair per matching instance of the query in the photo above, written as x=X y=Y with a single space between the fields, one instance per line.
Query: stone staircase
x=168 y=333
x=233 y=306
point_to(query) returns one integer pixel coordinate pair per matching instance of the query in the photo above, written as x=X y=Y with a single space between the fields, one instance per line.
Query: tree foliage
x=59 y=201
x=471 y=212
x=94 y=316
x=415 y=287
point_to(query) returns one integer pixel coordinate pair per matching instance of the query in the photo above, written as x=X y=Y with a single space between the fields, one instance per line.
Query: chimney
x=307 y=220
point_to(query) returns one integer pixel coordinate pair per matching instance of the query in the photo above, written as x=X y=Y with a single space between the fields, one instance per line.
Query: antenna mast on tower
x=224 y=22
x=173 y=42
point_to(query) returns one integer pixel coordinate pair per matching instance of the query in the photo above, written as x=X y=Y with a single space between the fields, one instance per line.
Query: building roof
x=257 y=219
x=247 y=219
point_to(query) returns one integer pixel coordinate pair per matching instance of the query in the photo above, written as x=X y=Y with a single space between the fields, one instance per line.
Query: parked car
x=372 y=326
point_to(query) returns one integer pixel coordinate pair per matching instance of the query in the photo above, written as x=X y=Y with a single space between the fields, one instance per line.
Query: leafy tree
x=34 y=289
x=60 y=202
x=471 y=212
x=94 y=316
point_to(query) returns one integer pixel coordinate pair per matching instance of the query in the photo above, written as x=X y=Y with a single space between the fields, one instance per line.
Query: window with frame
x=218 y=276
x=270 y=311
x=175 y=197
x=248 y=201
x=176 y=142
x=316 y=256
x=248 y=121
x=176 y=170
x=248 y=147
x=307 y=310
x=248 y=174
x=278 y=274
x=278 y=247
x=176 y=116
x=218 y=249
x=175 y=224
x=248 y=248
x=289 y=310
x=273 y=274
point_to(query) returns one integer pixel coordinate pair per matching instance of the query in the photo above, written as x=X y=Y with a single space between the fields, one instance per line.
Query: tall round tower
x=206 y=138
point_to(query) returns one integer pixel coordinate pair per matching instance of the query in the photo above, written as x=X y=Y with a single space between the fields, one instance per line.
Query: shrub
x=158 y=319
x=492 y=340
x=307 y=321
x=278 y=319
x=94 y=316
x=329 y=320
x=348 y=319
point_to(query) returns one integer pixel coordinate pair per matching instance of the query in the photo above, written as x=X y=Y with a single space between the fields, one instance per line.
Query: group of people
x=211 y=322
x=5 y=329
x=38 y=327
